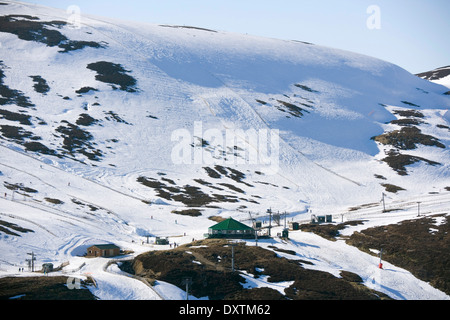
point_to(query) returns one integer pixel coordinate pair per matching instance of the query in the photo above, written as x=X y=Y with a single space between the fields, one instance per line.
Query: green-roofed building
x=231 y=228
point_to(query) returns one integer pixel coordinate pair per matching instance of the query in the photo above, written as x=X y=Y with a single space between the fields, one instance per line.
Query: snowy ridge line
x=236 y=95
x=127 y=48
x=82 y=23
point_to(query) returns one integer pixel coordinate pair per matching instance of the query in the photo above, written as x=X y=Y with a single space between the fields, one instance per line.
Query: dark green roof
x=105 y=246
x=230 y=224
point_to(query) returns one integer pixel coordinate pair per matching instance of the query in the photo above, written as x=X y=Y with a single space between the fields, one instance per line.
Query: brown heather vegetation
x=42 y=288
x=419 y=246
x=213 y=277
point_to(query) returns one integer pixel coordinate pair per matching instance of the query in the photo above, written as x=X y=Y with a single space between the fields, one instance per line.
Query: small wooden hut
x=103 y=250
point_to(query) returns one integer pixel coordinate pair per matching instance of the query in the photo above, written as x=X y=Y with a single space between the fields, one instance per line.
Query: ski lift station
x=162 y=241
x=321 y=219
x=231 y=229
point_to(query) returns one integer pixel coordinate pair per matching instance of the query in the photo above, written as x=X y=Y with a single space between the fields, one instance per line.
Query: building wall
x=96 y=252
x=231 y=233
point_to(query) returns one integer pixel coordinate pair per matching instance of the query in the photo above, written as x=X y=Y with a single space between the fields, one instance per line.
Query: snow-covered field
x=193 y=87
x=70 y=232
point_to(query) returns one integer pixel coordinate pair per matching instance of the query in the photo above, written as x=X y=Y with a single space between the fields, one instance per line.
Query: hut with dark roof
x=103 y=250
x=232 y=229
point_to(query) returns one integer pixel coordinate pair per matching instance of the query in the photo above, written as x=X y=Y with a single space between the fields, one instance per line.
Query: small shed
x=231 y=228
x=161 y=241
x=47 y=267
x=257 y=224
x=321 y=219
x=103 y=250
x=294 y=226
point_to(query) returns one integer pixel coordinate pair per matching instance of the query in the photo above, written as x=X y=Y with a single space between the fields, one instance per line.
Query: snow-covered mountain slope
x=438 y=75
x=111 y=130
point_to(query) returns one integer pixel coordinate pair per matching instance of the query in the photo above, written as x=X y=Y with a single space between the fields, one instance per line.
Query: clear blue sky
x=413 y=33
